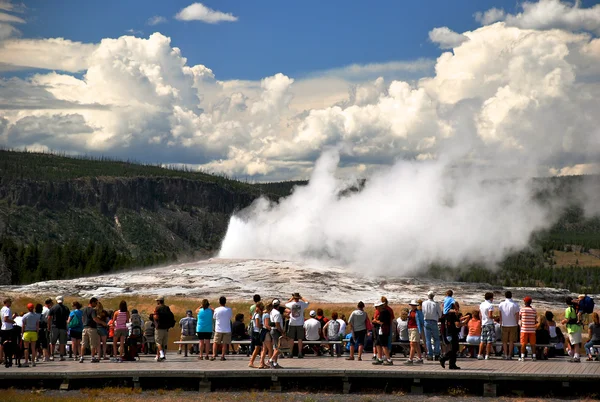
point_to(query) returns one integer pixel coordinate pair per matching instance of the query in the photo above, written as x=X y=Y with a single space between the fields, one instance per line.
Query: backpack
x=136 y=331
x=75 y=321
x=586 y=305
x=166 y=317
x=333 y=330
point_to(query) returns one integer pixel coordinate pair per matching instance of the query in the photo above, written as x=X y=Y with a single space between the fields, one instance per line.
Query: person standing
x=574 y=330
x=452 y=324
x=528 y=317
x=276 y=332
x=432 y=313
x=509 y=320
x=31 y=326
x=256 y=342
x=120 y=319
x=297 y=304
x=164 y=320
x=593 y=336
x=75 y=324
x=57 y=322
x=414 y=333
x=358 y=325
x=7 y=325
x=44 y=339
x=488 y=331
x=204 y=328
x=90 y=337
x=222 y=317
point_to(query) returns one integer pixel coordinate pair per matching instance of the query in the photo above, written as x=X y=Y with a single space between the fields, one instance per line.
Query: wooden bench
x=248 y=342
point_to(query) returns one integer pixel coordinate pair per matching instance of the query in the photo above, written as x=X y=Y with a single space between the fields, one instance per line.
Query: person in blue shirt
x=204 y=328
x=75 y=326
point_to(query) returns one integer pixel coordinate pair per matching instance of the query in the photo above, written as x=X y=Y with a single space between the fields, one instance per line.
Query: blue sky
x=293 y=37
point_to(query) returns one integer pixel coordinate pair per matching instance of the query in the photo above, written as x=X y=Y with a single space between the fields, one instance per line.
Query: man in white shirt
x=276 y=332
x=488 y=332
x=222 y=317
x=6 y=331
x=509 y=319
x=313 y=331
x=297 y=305
x=432 y=312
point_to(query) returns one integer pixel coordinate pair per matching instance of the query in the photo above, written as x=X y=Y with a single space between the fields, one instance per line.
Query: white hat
x=378 y=303
x=59 y=299
x=413 y=303
x=430 y=293
x=313 y=313
x=276 y=302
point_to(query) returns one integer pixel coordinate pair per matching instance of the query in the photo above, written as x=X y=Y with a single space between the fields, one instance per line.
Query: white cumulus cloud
x=199 y=12
x=446 y=38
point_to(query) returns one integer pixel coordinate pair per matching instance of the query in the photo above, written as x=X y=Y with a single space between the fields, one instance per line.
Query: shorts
x=275 y=335
x=510 y=334
x=90 y=338
x=204 y=335
x=473 y=339
x=358 y=337
x=488 y=333
x=222 y=338
x=75 y=334
x=255 y=341
x=43 y=338
x=59 y=335
x=30 y=336
x=5 y=335
x=120 y=332
x=527 y=337
x=413 y=335
x=102 y=331
x=296 y=332
x=575 y=338
x=380 y=339
x=161 y=337
x=188 y=338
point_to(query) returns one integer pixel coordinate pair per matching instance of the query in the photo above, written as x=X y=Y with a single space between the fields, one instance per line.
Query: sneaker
x=33 y=364
x=436 y=358
x=46 y=359
x=300 y=356
x=521 y=359
x=408 y=363
x=377 y=362
x=574 y=360
x=487 y=357
x=350 y=358
x=454 y=368
x=157 y=358
x=533 y=358
x=429 y=358
x=388 y=363
x=62 y=359
x=25 y=365
x=81 y=359
x=51 y=358
x=504 y=357
x=419 y=361
x=374 y=358
x=105 y=358
x=95 y=360
x=479 y=357
x=443 y=362
x=179 y=352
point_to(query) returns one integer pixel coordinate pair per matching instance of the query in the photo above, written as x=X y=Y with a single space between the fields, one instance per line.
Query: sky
x=260 y=89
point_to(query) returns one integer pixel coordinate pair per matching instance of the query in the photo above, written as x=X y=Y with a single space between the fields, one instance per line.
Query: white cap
x=313 y=313
x=430 y=293
x=413 y=303
x=378 y=303
x=59 y=299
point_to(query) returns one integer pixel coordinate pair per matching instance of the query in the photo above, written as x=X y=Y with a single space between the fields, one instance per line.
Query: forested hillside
x=63 y=217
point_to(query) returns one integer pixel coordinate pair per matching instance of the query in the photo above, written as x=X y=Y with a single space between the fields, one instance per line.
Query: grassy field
x=568 y=258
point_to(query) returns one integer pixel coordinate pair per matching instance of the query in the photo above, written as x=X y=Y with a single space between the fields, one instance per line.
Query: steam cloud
x=405 y=217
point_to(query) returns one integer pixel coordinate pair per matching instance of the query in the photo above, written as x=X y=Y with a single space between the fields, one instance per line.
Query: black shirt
x=59 y=314
x=451 y=320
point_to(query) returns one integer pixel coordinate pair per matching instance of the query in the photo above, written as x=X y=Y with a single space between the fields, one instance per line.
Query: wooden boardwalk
x=312 y=369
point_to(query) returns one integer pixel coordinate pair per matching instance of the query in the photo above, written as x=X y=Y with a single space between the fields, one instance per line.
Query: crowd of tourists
x=429 y=330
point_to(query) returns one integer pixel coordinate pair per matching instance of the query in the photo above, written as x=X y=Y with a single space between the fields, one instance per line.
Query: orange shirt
x=474 y=327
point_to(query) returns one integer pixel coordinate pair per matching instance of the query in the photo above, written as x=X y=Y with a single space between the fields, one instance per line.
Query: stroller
x=133 y=344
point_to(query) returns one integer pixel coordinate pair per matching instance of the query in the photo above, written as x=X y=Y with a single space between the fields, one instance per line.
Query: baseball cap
x=527 y=299
x=430 y=293
x=160 y=298
x=276 y=302
x=59 y=299
x=30 y=306
x=313 y=313
x=378 y=303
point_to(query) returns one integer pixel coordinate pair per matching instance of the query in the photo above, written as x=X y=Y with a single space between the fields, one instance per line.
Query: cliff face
x=136 y=215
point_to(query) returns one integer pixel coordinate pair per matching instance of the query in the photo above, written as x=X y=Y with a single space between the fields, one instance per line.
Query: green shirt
x=571 y=314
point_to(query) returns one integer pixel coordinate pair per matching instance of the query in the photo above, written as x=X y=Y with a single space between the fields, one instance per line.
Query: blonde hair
x=543 y=322
x=596 y=318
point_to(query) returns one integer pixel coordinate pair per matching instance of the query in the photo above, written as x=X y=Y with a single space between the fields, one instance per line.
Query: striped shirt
x=528 y=317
